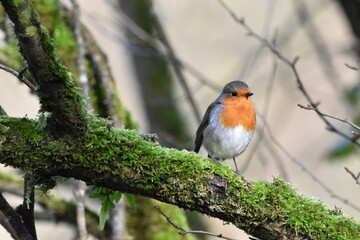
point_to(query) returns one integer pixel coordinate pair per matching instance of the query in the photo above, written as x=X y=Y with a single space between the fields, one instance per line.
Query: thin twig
x=331 y=116
x=351 y=67
x=17 y=75
x=355 y=177
x=292 y=65
x=184 y=231
x=307 y=171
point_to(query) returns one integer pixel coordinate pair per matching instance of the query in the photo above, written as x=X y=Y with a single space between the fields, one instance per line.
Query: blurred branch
x=130 y=25
x=292 y=66
x=352 y=67
x=55 y=209
x=83 y=78
x=18 y=76
x=12 y=221
x=319 y=44
x=80 y=187
x=254 y=54
x=5 y=223
x=26 y=209
x=184 y=231
x=170 y=53
x=355 y=177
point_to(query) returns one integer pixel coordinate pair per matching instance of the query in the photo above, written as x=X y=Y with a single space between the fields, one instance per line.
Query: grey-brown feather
x=203 y=125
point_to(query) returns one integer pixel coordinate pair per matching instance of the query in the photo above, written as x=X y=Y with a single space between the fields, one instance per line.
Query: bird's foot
x=216 y=161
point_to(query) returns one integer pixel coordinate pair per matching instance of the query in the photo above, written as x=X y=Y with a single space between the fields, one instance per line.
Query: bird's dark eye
x=234 y=94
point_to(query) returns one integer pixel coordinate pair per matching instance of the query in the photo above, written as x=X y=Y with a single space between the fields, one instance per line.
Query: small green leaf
x=117 y=196
x=131 y=200
x=97 y=195
x=104 y=212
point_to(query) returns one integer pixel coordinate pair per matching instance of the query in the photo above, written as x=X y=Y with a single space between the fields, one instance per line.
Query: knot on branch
x=218 y=185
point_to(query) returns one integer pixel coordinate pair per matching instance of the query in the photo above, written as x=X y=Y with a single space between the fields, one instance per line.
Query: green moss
x=52 y=18
x=31 y=31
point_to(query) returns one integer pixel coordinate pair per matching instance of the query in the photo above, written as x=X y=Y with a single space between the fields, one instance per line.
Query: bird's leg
x=237 y=170
x=216 y=160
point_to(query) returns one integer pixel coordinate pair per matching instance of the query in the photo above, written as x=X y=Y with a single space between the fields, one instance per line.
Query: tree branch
x=15 y=224
x=56 y=90
x=21 y=78
x=123 y=161
x=26 y=209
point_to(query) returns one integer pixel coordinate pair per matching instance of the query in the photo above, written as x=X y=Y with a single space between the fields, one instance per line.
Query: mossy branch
x=121 y=160
x=56 y=88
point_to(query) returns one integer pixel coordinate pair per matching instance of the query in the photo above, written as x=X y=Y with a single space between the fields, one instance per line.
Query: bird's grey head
x=234 y=85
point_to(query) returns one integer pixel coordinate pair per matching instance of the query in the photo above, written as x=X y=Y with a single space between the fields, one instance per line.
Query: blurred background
x=171 y=60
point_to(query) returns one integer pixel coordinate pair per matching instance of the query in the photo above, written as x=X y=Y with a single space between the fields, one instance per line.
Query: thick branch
x=56 y=88
x=15 y=223
x=123 y=161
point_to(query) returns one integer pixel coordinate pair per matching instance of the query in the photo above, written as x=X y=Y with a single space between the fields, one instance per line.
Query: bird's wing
x=203 y=125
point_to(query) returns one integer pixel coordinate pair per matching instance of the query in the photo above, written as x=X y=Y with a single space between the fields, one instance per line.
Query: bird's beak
x=248 y=94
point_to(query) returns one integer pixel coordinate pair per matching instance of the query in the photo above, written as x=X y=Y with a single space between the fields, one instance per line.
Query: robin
x=228 y=124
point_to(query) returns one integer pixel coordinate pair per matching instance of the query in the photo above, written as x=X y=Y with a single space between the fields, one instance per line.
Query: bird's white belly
x=224 y=142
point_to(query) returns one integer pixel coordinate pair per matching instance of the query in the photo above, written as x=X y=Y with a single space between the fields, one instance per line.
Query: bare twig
x=308 y=172
x=331 y=116
x=184 y=231
x=292 y=65
x=21 y=78
x=355 y=177
x=352 y=67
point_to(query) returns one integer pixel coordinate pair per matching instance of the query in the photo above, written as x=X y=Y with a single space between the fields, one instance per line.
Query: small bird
x=228 y=124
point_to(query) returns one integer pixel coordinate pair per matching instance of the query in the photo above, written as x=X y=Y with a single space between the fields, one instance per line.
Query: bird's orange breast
x=238 y=111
